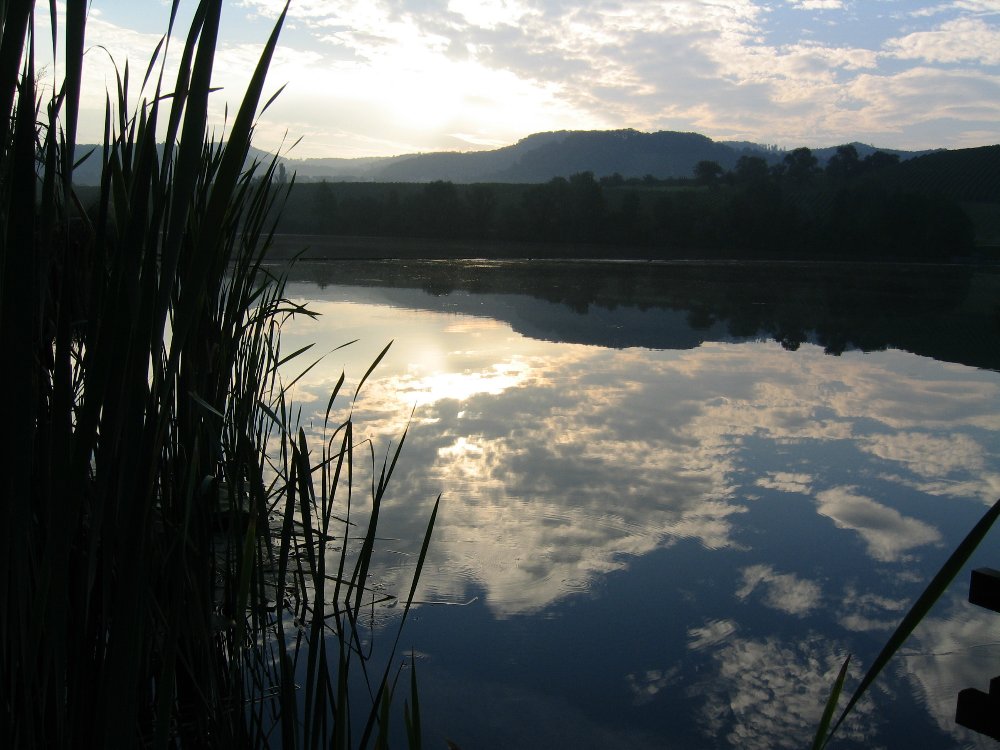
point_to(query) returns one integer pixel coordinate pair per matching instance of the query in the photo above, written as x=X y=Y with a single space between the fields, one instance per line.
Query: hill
x=967 y=174
x=540 y=157
x=536 y=158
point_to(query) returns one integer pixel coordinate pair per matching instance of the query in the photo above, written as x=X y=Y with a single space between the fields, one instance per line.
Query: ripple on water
x=711 y=635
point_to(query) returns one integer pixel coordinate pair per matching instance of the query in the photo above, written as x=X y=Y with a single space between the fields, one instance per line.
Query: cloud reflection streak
x=558 y=462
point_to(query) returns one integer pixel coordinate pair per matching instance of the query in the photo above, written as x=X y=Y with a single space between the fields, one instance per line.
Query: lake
x=674 y=496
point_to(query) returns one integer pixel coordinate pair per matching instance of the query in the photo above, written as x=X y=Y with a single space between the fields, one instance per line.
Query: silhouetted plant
x=161 y=524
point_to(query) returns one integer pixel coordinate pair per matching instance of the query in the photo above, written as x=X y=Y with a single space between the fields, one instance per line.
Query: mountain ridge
x=538 y=158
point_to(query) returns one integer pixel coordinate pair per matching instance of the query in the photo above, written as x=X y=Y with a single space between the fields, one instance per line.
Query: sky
x=388 y=77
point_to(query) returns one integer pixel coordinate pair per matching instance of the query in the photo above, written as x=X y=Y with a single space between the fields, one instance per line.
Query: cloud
x=785 y=482
x=711 y=634
x=769 y=693
x=957 y=40
x=646 y=685
x=785 y=592
x=397 y=76
x=491 y=13
x=987 y=7
x=926 y=455
x=887 y=533
x=817 y=4
x=954 y=649
x=560 y=463
x=867 y=612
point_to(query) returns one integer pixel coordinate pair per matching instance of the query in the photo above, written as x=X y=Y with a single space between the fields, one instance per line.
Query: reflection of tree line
x=945 y=312
x=851 y=208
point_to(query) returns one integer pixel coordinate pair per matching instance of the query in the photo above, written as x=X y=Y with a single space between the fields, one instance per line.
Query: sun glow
x=441 y=385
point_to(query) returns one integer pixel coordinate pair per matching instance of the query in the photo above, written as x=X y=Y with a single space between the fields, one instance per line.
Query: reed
x=164 y=551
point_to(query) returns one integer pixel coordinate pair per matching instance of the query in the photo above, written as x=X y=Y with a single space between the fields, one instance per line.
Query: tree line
x=792 y=208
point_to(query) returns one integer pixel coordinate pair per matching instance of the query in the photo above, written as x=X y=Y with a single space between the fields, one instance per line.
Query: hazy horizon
x=395 y=77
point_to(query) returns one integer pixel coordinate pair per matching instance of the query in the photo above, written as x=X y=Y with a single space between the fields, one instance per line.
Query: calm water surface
x=674 y=498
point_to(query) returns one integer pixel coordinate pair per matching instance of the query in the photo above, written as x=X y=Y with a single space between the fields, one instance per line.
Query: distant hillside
x=537 y=158
x=362 y=170
x=865 y=150
x=541 y=157
x=967 y=174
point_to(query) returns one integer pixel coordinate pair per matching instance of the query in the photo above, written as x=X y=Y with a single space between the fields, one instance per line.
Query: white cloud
x=397 y=76
x=928 y=455
x=957 y=40
x=952 y=650
x=489 y=14
x=887 y=533
x=817 y=4
x=867 y=612
x=782 y=591
x=646 y=685
x=977 y=6
x=786 y=482
x=711 y=634
x=585 y=474
x=769 y=693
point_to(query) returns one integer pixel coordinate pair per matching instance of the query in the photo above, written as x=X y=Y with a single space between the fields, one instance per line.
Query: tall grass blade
x=76 y=24
x=12 y=44
x=371 y=369
x=411 y=717
x=831 y=705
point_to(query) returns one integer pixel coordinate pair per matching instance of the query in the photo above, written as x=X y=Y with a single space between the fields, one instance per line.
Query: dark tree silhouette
x=707 y=172
x=482 y=201
x=880 y=160
x=844 y=164
x=750 y=170
x=800 y=165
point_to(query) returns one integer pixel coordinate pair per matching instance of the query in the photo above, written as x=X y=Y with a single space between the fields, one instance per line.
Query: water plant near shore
x=162 y=520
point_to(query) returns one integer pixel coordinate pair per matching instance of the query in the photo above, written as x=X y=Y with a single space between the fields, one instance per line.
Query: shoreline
x=314 y=247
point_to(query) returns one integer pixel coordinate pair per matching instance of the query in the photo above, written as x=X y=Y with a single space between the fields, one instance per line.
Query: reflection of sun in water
x=428 y=358
x=439 y=385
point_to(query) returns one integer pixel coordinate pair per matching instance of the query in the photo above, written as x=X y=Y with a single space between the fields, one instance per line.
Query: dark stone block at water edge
x=984 y=591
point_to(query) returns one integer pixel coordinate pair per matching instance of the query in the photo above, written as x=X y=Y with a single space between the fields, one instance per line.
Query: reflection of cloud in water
x=984 y=487
x=865 y=612
x=710 y=634
x=927 y=455
x=558 y=461
x=782 y=591
x=905 y=392
x=950 y=652
x=769 y=693
x=886 y=531
x=785 y=482
x=585 y=489
x=646 y=685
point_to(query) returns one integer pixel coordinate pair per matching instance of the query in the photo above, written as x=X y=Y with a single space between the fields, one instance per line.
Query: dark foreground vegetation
x=853 y=208
x=166 y=531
